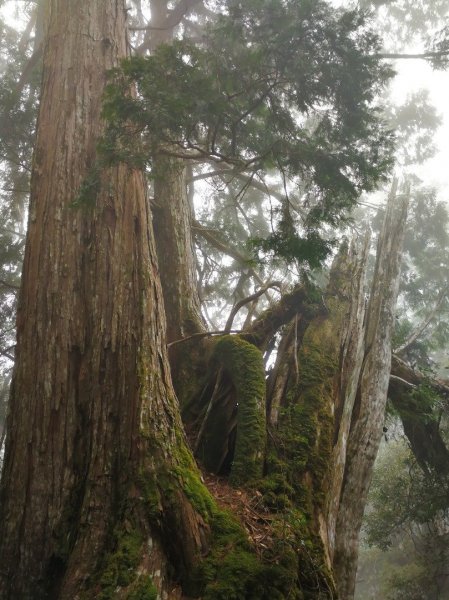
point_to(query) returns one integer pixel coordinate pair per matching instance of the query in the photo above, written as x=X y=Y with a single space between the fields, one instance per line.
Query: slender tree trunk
x=369 y=407
x=92 y=410
x=172 y=220
x=172 y=217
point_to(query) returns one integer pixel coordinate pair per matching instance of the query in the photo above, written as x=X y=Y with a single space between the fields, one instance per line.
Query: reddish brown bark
x=92 y=404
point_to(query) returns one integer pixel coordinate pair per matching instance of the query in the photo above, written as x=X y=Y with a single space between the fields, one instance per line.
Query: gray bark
x=369 y=408
x=352 y=349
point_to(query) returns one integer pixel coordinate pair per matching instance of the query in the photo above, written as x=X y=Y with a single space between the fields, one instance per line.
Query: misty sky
x=412 y=76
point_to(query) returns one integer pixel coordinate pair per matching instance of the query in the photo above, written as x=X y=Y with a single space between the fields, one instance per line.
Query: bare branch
x=297 y=302
x=201 y=335
x=404 y=382
x=211 y=236
x=247 y=300
x=9 y=285
x=419 y=330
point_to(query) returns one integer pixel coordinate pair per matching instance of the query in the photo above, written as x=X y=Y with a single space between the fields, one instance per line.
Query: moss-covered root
x=243 y=363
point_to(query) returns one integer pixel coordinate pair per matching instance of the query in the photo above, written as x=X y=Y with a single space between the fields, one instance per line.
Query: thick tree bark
x=92 y=409
x=369 y=407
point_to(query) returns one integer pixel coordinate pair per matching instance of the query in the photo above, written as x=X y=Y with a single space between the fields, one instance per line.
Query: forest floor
x=247 y=506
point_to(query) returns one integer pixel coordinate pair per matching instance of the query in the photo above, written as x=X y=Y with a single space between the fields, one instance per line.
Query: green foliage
x=405 y=530
x=414 y=123
x=310 y=249
x=406 y=583
x=89 y=188
x=18 y=110
x=423 y=285
x=407 y=22
x=286 y=86
x=401 y=495
x=422 y=404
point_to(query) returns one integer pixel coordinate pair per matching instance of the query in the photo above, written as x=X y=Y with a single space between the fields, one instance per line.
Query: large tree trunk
x=369 y=407
x=311 y=393
x=93 y=419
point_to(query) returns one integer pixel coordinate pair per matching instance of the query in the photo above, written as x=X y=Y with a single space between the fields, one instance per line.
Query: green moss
x=233 y=571
x=277 y=493
x=303 y=441
x=147 y=487
x=197 y=493
x=188 y=475
x=243 y=363
x=120 y=566
x=143 y=589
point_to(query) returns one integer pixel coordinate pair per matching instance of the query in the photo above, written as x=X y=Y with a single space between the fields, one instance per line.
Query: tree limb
x=420 y=426
x=402 y=371
x=418 y=331
x=202 y=334
x=299 y=301
x=251 y=298
x=239 y=174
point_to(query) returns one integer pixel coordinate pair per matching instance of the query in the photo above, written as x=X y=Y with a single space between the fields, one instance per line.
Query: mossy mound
x=243 y=363
x=234 y=571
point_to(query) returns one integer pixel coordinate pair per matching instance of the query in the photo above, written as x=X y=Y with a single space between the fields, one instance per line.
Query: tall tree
x=91 y=405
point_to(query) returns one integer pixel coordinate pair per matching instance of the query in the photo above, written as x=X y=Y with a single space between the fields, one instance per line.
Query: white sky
x=414 y=75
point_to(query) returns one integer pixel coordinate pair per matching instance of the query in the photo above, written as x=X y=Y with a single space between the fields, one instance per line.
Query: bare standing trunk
x=369 y=408
x=351 y=357
x=92 y=410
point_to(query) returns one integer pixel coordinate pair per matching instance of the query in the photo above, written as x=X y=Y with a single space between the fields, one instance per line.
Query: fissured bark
x=92 y=406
